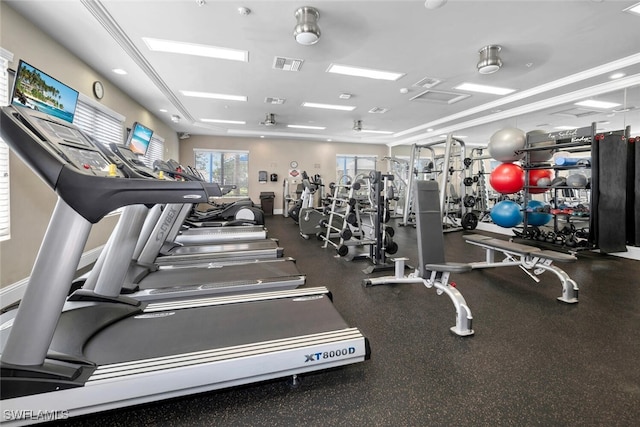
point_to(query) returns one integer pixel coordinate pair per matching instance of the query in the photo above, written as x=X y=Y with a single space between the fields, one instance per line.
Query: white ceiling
x=555 y=53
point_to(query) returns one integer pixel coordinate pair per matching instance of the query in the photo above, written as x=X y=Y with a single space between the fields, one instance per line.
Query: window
x=5 y=58
x=225 y=168
x=354 y=167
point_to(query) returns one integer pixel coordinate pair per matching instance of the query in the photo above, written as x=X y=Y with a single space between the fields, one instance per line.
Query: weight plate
x=342 y=250
x=469 y=201
x=469 y=221
x=391 y=248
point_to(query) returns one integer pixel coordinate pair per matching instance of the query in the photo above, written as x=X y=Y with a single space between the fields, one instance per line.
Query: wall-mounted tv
x=139 y=139
x=37 y=90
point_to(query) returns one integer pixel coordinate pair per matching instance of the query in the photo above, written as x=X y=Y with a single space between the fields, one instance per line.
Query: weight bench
x=527 y=258
x=432 y=271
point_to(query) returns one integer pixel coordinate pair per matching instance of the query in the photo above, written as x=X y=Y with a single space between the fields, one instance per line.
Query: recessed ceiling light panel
x=493 y=90
x=171 y=46
x=592 y=103
x=329 y=106
x=381 y=132
x=635 y=9
x=231 y=122
x=348 y=70
x=210 y=95
x=306 y=127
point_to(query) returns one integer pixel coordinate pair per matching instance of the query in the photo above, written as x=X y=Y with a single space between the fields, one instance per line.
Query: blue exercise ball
x=506 y=214
x=534 y=216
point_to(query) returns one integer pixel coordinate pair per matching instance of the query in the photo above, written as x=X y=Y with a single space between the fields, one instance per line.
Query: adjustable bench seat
x=527 y=258
x=556 y=256
x=451 y=267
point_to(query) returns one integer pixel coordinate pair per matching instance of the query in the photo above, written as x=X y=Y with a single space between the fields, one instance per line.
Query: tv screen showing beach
x=41 y=92
x=139 y=139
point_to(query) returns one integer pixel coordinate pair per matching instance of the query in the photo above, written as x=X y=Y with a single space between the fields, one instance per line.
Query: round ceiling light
x=307 y=31
x=489 y=62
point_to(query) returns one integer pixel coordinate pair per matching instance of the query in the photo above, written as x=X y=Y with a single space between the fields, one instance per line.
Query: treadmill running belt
x=173 y=332
x=228 y=273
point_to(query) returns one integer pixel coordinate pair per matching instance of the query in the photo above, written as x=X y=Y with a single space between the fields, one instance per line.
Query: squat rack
x=446 y=166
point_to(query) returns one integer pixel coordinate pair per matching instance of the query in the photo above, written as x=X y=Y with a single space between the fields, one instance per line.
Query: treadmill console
x=133 y=161
x=70 y=143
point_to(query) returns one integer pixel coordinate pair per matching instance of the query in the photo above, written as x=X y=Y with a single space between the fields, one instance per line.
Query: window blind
x=4 y=150
x=155 y=151
x=104 y=125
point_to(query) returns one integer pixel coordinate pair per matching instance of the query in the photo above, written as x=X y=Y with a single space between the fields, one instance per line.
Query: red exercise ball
x=507 y=178
x=535 y=175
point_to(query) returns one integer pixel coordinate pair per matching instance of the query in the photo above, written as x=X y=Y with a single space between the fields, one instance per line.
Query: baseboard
x=13 y=293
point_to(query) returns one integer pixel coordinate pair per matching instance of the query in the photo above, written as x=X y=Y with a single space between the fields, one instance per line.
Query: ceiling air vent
x=439 y=97
x=287 y=64
x=378 y=110
x=274 y=101
x=427 y=83
x=575 y=113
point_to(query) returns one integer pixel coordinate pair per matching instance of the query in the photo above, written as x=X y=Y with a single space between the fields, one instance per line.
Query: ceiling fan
x=270 y=120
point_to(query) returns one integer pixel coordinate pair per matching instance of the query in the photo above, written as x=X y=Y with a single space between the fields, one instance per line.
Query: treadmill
x=156 y=244
x=93 y=352
x=156 y=247
x=183 y=235
x=144 y=279
x=206 y=235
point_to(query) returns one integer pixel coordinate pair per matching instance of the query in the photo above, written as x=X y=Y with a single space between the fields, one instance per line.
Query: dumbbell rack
x=378 y=239
x=380 y=215
x=563 y=233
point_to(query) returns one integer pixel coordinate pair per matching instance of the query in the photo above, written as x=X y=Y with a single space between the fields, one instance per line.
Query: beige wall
x=275 y=155
x=31 y=201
